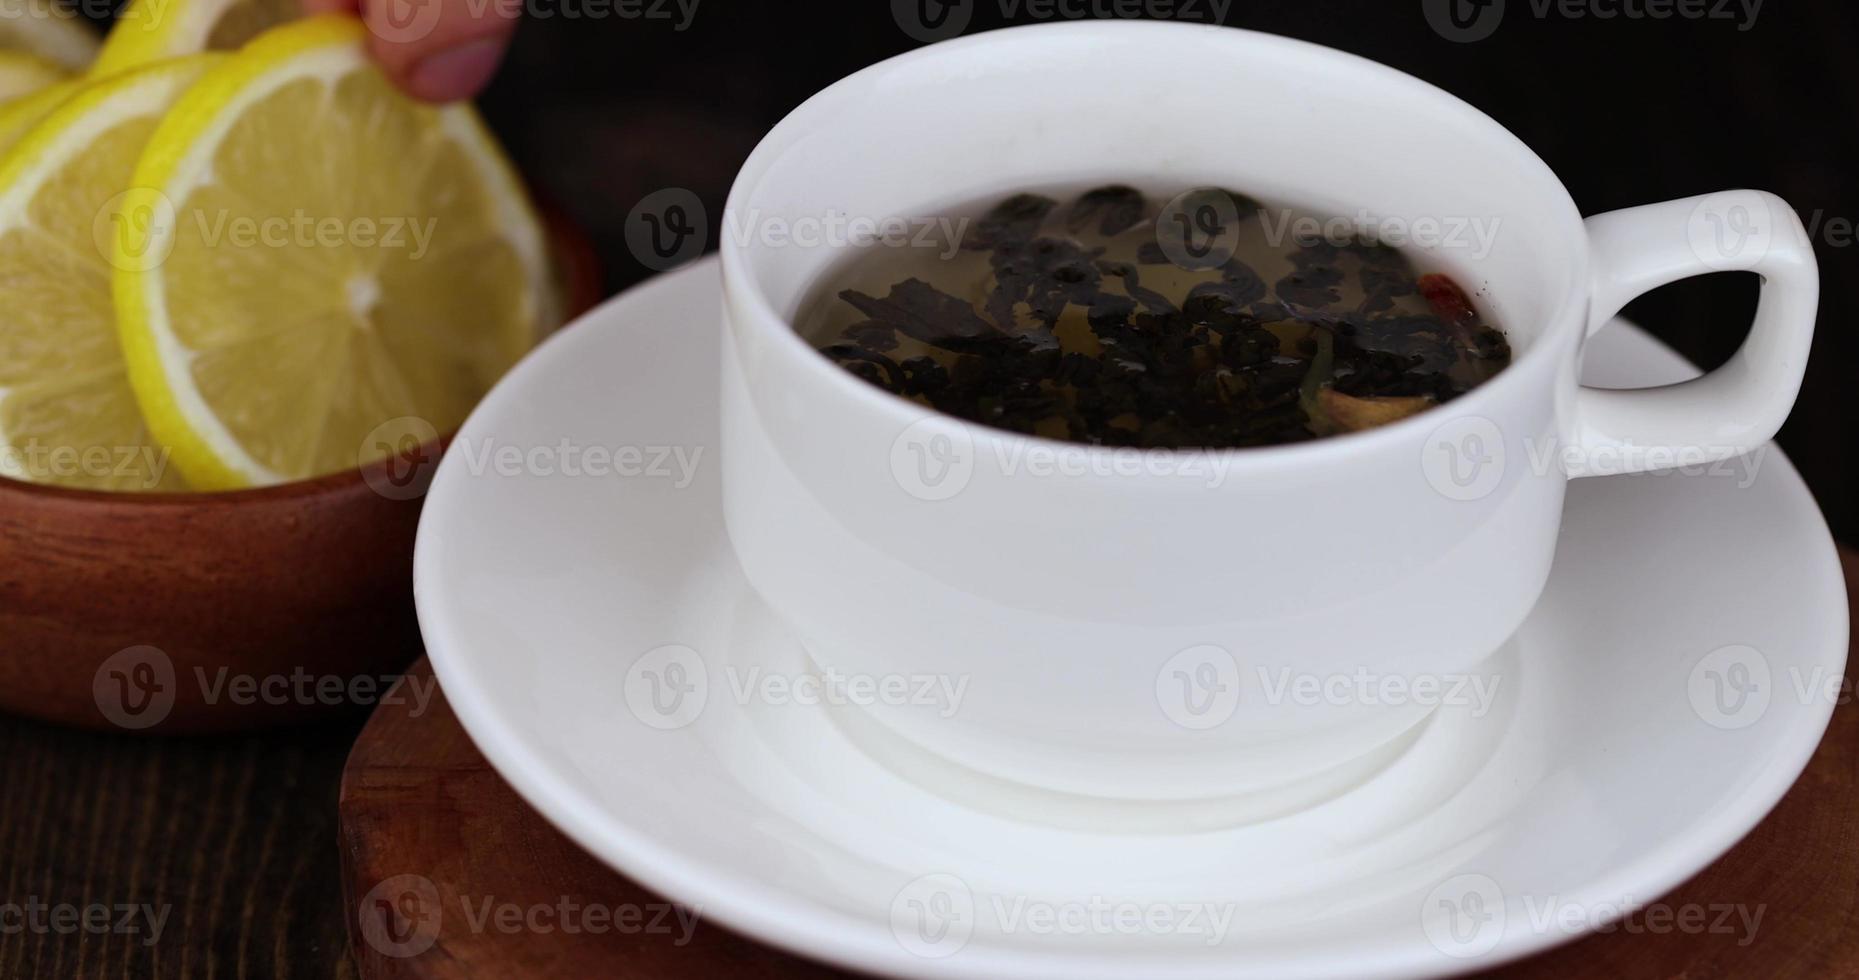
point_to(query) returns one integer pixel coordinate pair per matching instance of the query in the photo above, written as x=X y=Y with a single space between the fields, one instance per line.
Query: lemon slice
x=67 y=414
x=22 y=74
x=150 y=30
x=338 y=266
x=53 y=32
x=21 y=114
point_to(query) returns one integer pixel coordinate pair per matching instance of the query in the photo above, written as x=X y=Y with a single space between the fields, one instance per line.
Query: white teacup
x=1125 y=623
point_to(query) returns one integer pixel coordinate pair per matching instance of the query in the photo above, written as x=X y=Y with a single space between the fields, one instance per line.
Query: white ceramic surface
x=565 y=614
x=901 y=542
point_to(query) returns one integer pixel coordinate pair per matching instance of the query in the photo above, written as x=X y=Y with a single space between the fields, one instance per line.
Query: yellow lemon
x=67 y=414
x=331 y=266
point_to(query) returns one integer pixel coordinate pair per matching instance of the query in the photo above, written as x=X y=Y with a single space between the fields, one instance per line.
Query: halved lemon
x=23 y=74
x=47 y=29
x=67 y=414
x=339 y=265
x=150 y=30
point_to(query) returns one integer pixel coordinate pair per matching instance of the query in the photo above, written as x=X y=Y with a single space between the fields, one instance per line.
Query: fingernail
x=455 y=73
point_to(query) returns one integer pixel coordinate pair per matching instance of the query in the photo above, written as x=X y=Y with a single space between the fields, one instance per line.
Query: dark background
x=602 y=110
x=237 y=834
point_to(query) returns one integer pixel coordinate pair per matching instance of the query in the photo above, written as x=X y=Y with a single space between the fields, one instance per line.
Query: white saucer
x=1607 y=770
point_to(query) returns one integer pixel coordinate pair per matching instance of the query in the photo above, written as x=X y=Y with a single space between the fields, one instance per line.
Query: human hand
x=436 y=50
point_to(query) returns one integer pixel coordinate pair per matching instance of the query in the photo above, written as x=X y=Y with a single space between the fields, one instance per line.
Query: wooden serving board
x=426 y=824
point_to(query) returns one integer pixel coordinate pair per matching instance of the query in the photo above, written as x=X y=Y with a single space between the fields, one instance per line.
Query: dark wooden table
x=231 y=842
x=235 y=838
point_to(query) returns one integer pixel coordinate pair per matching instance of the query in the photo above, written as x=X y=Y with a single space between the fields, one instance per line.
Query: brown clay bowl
x=125 y=611
x=201 y=612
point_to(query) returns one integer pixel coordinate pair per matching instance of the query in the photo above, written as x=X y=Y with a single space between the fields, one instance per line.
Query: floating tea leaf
x=1071 y=323
x=1121 y=208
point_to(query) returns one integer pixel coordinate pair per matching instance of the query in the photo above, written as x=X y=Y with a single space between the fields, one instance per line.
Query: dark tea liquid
x=1118 y=318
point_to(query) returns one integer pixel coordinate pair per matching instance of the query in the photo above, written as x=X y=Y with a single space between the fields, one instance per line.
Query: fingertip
x=455 y=73
x=440 y=50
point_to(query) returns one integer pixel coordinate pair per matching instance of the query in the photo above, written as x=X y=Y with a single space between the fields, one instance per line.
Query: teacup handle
x=1737 y=407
